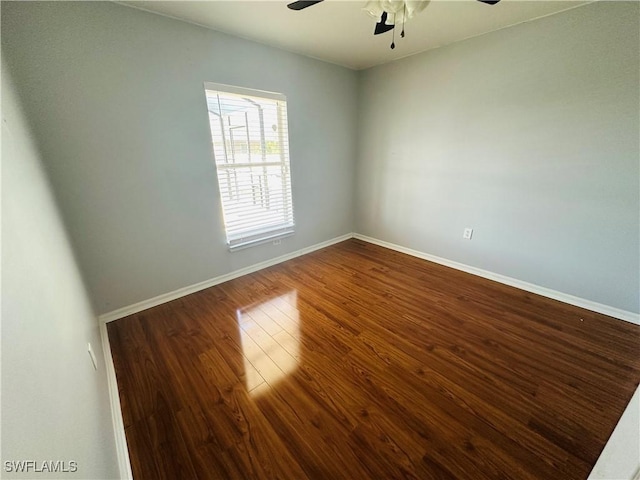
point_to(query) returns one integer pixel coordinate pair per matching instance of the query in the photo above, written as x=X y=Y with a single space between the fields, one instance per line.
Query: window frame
x=265 y=233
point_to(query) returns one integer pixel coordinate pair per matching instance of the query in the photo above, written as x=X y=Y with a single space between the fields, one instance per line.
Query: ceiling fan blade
x=299 y=5
x=381 y=26
x=490 y=2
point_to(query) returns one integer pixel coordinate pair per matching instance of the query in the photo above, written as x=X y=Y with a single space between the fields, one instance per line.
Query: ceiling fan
x=387 y=12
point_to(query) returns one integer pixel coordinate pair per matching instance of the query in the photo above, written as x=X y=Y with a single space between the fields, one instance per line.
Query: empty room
x=320 y=239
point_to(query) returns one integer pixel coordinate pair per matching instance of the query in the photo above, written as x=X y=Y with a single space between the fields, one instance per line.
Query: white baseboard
x=181 y=292
x=529 y=287
x=122 y=451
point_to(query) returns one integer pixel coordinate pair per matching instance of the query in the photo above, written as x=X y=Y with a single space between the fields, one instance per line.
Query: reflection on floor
x=270 y=336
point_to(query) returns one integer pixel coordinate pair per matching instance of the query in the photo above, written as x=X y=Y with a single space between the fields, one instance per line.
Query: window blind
x=251 y=152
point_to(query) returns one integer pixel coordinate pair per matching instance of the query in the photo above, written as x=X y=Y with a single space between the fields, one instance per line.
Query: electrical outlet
x=277 y=241
x=93 y=356
x=467 y=234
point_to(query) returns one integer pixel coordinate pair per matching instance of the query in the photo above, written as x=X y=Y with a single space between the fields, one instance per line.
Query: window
x=251 y=153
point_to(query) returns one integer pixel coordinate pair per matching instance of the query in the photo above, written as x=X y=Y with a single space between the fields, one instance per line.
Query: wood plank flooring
x=358 y=362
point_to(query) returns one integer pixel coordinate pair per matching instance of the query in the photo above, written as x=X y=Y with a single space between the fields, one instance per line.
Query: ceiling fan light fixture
x=386 y=12
x=398 y=11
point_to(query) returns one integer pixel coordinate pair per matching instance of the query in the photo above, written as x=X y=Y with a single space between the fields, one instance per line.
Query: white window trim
x=252 y=92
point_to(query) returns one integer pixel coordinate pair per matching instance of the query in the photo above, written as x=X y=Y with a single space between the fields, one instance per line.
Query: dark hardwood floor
x=360 y=362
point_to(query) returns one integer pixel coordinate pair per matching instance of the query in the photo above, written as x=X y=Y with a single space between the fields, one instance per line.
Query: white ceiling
x=340 y=32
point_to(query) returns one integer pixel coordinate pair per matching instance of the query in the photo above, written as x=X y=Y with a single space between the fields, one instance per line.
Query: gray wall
x=116 y=99
x=55 y=406
x=530 y=136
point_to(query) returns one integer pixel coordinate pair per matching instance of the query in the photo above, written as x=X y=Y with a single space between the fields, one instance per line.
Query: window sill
x=260 y=241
